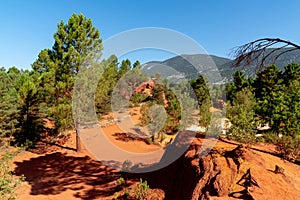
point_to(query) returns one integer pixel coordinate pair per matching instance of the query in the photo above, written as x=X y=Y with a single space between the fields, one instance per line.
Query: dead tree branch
x=257 y=51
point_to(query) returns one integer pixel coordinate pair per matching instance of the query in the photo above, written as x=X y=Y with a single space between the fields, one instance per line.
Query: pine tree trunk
x=78 y=145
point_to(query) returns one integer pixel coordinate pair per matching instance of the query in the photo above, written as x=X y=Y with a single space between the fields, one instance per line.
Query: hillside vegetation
x=30 y=100
x=185 y=65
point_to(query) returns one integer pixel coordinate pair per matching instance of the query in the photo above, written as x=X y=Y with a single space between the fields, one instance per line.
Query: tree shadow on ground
x=57 y=172
x=168 y=174
x=54 y=173
x=126 y=137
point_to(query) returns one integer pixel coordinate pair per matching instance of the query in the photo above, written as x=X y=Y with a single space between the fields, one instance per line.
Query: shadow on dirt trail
x=54 y=173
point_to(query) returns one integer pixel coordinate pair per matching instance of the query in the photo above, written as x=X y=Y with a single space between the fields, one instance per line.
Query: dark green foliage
x=9 y=107
x=125 y=67
x=136 y=64
x=138 y=98
x=173 y=108
x=145 y=119
x=30 y=114
x=76 y=43
x=157 y=116
x=106 y=85
x=276 y=102
x=292 y=100
x=218 y=93
x=28 y=97
x=239 y=82
x=201 y=89
x=164 y=118
x=242 y=116
x=278 y=96
x=20 y=106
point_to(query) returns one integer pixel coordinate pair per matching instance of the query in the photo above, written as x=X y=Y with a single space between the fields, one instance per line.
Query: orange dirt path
x=62 y=173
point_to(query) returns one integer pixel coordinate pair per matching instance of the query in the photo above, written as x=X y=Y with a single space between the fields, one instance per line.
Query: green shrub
x=271 y=137
x=242 y=116
x=8 y=181
x=120 y=181
x=141 y=190
x=127 y=193
x=144 y=118
x=138 y=98
x=289 y=147
x=116 y=195
x=149 y=141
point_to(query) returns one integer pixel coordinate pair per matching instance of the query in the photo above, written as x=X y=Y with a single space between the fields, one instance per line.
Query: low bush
x=289 y=147
x=8 y=180
x=141 y=190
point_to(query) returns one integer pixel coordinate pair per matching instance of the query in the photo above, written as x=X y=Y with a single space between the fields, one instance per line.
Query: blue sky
x=27 y=26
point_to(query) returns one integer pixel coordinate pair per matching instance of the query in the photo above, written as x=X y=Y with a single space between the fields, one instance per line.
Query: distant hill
x=184 y=66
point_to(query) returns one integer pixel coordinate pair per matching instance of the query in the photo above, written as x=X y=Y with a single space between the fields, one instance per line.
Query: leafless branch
x=256 y=51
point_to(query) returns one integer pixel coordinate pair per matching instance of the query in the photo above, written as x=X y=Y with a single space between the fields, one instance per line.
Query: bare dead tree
x=257 y=51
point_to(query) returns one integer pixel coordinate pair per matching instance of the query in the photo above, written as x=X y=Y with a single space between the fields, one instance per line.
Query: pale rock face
x=225 y=123
x=196 y=128
x=145 y=87
x=263 y=128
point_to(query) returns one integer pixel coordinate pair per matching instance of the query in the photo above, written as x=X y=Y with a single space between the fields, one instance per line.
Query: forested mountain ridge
x=183 y=64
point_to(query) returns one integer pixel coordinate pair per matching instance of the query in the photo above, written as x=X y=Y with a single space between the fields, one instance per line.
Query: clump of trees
x=28 y=97
x=163 y=106
x=21 y=107
x=57 y=67
x=273 y=99
x=203 y=97
x=182 y=100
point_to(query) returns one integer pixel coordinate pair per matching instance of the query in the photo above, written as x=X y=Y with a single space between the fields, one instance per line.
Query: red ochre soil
x=228 y=171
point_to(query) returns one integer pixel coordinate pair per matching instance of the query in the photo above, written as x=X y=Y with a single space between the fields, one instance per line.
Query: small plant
x=116 y=195
x=149 y=141
x=271 y=137
x=127 y=193
x=120 y=181
x=8 y=181
x=289 y=147
x=138 y=98
x=141 y=190
x=162 y=137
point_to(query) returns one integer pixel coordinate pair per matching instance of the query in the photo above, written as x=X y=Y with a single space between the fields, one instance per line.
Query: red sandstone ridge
x=145 y=87
x=227 y=172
